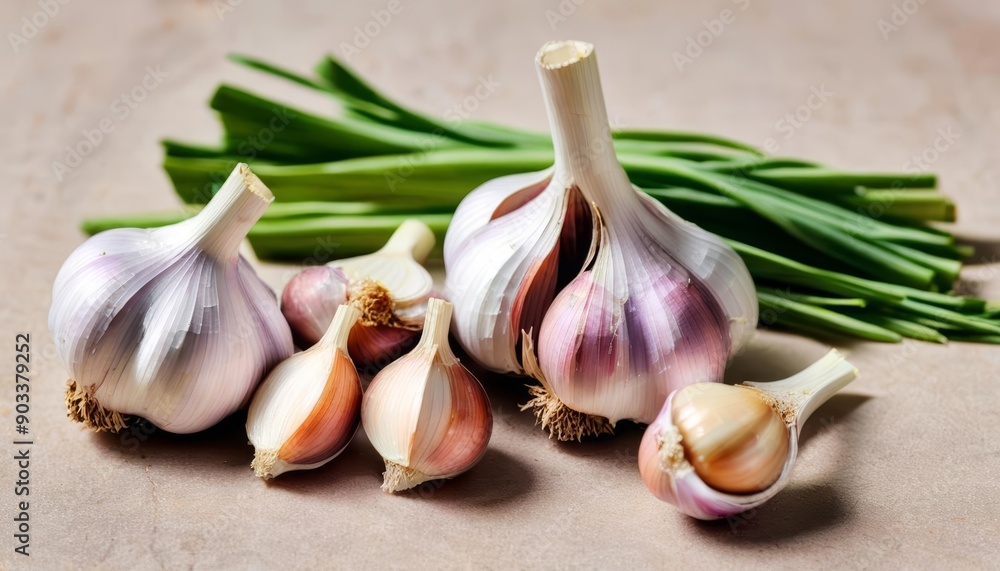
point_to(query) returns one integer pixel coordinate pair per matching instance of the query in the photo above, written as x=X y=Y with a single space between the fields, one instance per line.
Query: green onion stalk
x=833 y=252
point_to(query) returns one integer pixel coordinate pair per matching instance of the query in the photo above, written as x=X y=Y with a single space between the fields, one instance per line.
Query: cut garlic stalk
x=718 y=450
x=425 y=413
x=308 y=409
x=390 y=287
x=170 y=324
x=628 y=301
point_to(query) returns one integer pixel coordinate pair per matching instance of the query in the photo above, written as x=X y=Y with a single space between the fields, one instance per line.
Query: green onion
x=832 y=251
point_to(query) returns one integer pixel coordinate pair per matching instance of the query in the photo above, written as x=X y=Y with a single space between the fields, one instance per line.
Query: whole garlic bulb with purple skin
x=169 y=324
x=718 y=450
x=578 y=279
x=390 y=287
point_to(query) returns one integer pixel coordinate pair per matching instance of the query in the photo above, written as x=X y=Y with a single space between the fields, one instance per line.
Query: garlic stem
x=437 y=322
x=798 y=396
x=220 y=227
x=413 y=238
x=581 y=133
x=337 y=334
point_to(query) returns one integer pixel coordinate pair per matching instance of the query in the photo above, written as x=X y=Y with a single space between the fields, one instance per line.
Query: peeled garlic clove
x=389 y=286
x=169 y=324
x=733 y=438
x=308 y=409
x=425 y=413
x=718 y=450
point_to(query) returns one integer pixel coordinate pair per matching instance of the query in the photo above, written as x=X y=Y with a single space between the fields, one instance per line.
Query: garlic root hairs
x=398 y=477
x=82 y=407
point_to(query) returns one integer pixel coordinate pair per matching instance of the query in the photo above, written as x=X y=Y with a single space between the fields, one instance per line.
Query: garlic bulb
x=718 y=450
x=425 y=413
x=624 y=301
x=308 y=409
x=170 y=324
x=389 y=286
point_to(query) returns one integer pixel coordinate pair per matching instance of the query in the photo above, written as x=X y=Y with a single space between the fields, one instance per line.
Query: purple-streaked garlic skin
x=630 y=351
x=310 y=300
x=308 y=409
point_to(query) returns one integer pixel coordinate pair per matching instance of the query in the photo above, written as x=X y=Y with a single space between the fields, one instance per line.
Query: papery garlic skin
x=308 y=409
x=663 y=305
x=170 y=324
x=670 y=465
x=310 y=300
x=425 y=413
x=578 y=279
x=390 y=287
x=615 y=347
x=504 y=275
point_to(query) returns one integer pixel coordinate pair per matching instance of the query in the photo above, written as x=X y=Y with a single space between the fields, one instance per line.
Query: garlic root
x=82 y=407
x=397 y=477
x=375 y=303
x=263 y=463
x=563 y=423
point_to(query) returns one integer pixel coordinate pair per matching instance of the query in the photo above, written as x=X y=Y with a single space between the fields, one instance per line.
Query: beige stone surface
x=900 y=471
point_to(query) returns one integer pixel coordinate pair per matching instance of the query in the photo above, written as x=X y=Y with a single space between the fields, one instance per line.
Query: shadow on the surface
x=223 y=450
x=987 y=250
x=802 y=508
x=772 y=359
x=498 y=478
x=830 y=413
x=798 y=510
x=359 y=461
x=222 y=447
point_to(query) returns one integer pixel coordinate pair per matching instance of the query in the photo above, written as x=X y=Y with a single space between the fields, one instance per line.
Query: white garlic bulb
x=622 y=299
x=169 y=324
x=425 y=413
x=390 y=286
x=307 y=410
x=718 y=450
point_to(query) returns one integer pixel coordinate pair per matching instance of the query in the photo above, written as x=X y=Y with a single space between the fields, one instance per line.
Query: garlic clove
x=733 y=438
x=378 y=345
x=677 y=450
x=425 y=413
x=310 y=300
x=308 y=409
x=489 y=201
x=170 y=324
x=390 y=286
x=396 y=266
x=605 y=331
x=503 y=277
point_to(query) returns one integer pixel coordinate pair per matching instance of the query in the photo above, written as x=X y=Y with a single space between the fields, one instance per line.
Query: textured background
x=901 y=470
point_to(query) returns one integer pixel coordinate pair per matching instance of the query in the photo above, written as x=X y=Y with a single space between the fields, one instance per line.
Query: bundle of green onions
x=831 y=252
